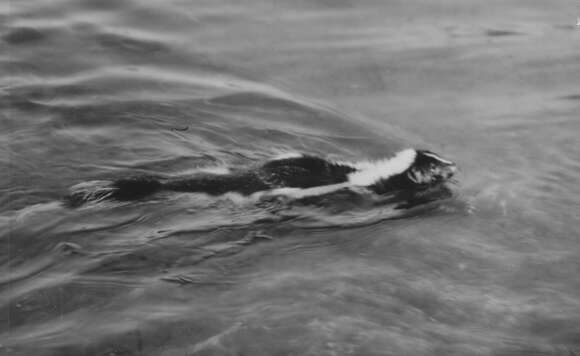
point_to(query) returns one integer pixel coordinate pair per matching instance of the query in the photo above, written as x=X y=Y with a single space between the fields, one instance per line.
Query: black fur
x=304 y=172
x=217 y=184
x=394 y=183
x=134 y=188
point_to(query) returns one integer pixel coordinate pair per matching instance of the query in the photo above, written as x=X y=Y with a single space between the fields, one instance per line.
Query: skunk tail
x=123 y=189
x=134 y=188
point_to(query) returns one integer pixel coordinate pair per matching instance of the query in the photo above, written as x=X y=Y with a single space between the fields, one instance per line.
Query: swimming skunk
x=301 y=175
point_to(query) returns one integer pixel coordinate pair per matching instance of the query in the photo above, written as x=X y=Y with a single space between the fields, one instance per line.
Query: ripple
x=502 y=33
x=25 y=36
x=99 y=89
x=130 y=44
x=572 y=97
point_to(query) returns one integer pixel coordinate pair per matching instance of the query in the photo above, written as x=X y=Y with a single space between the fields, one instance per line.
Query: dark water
x=94 y=89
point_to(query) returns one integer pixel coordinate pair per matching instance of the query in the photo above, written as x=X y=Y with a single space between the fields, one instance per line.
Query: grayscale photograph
x=289 y=178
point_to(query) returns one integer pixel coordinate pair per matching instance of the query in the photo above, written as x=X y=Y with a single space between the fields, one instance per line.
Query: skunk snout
x=451 y=170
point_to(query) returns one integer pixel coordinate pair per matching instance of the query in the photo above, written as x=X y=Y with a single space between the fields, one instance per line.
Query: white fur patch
x=370 y=172
x=221 y=170
x=298 y=193
x=287 y=155
x=434 y=156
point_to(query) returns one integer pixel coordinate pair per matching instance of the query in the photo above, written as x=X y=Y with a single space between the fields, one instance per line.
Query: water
x=99 y=89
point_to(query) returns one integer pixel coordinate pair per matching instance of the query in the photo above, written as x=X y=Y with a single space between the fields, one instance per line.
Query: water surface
x=101 y=89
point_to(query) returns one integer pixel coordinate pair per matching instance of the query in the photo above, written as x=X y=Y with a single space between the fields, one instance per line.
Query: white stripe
x=433 y=155
x=287 y=155
x=215 y=170
x=298 y=193
x=370 y=172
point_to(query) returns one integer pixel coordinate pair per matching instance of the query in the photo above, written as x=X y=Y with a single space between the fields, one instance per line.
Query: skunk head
x=408 y=169
x=429 y=168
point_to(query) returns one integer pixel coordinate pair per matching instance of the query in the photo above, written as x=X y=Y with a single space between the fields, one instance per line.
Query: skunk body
x=308 y=175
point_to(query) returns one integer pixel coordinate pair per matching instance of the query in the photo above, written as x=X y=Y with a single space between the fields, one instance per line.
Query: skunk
x=294 y=174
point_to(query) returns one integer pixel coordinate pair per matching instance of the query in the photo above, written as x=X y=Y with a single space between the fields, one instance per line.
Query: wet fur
x=302 y=175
